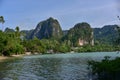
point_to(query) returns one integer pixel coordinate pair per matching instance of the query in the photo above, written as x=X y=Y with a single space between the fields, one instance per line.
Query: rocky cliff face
x=49 y=28
x=80 y=34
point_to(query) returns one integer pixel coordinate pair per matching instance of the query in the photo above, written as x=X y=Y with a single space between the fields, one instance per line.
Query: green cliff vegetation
x=47 y=29
x=81 y=31
x=106 y=35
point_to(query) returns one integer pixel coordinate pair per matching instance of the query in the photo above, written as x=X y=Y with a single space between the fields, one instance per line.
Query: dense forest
x=48 y=37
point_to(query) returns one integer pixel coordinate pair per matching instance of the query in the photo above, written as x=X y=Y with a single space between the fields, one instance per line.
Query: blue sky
x=28 y=13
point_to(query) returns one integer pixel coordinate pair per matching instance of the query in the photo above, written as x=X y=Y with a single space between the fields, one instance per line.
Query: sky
x=28 y=13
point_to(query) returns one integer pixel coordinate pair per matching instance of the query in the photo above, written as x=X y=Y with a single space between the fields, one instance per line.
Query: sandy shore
x=17 y=55
x=5 y=57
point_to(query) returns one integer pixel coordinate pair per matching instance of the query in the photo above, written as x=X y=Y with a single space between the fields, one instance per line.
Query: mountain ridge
x=50 y=28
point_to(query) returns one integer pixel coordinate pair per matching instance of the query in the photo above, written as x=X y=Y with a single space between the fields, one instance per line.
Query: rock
x=81 y=34
x=47 y=29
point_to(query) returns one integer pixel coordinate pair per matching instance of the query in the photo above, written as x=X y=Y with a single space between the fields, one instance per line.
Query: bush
x=107 y=69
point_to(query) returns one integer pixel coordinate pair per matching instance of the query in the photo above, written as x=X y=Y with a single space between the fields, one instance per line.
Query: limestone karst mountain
x=81 y=34
x=46 y=29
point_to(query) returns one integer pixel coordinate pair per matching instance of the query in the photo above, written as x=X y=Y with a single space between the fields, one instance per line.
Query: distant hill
x=27 y=33
x=8 y=30
x=47 y=29
x=107 y=34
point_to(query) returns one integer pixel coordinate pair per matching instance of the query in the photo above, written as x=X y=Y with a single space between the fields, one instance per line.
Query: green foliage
x=34 y=45
x=10 y=44
x=97 y=48
x=3 y=41
x=107 y=69
x=18 y=49
x=17 y=32
x=45 y=45
x=2 y=19
x=63 y=47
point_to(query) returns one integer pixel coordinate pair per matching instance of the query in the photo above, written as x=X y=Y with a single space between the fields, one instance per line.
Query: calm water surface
x=50 y=67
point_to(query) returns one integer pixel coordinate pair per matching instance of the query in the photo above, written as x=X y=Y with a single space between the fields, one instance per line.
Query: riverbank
x=3 y=58
x=8 y=57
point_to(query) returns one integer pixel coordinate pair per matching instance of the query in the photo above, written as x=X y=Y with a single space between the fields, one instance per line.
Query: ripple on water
x=50 y=67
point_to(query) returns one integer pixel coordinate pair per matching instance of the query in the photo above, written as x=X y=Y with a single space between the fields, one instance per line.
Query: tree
x=17 y=32
x=107 y=69
x=17 y=29
x=2 y=20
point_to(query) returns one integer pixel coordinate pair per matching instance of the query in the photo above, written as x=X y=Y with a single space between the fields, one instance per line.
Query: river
x=51 y=66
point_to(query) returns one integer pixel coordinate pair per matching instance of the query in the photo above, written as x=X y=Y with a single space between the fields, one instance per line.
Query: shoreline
x=29 y=53
x=2 y=58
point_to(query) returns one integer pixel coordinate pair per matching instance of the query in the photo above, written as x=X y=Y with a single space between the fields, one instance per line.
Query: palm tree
x=2 y=21
x=17 y=29
x=17 y=32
